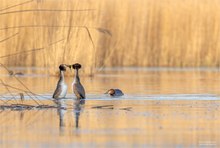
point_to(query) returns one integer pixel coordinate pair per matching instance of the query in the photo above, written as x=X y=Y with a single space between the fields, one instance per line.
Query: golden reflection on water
x=149 y=123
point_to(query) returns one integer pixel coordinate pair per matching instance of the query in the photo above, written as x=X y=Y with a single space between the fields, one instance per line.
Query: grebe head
x=76 y=66
x=111 y=92
x=62 y=67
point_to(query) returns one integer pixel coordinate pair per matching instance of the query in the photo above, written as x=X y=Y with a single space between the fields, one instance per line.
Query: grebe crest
x=76 y=66
x=62 y=67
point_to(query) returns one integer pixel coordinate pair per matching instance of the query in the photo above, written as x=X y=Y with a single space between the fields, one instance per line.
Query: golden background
x=141 y=32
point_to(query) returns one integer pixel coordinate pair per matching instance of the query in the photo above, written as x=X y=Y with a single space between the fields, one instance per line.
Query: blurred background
x=110 y=33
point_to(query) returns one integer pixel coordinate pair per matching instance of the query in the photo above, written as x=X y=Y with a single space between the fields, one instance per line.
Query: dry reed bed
x=144 y=33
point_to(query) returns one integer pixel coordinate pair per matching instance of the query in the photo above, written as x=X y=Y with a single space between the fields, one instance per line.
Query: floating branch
x=126 y=108
x=20 y=107
x=46 y=106
x=104 y=107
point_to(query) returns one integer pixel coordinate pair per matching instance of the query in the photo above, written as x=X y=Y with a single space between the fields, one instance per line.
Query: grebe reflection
x=78 y=106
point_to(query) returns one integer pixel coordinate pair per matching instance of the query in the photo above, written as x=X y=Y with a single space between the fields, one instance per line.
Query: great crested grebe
x=61 y=88
x=78 y=89
x=115 y=92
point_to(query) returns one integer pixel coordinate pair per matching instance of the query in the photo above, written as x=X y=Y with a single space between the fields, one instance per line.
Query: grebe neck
x=76 y=77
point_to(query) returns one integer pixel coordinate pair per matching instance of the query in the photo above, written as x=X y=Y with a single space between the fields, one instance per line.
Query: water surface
x=160 y=108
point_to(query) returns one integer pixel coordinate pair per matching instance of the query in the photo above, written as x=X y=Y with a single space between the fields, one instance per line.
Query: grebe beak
x=69 y=66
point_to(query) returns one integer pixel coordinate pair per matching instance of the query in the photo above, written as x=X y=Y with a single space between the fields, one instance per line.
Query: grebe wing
x=57 y=92
x=79 y=91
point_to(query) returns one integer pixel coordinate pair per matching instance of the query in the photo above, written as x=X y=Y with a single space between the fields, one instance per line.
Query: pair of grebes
x=78 y=89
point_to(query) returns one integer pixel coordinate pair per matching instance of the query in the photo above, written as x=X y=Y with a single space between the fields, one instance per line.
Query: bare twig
x=105 y=31
x=9 y=37
x=90 y=36
x=44 y=10
x=21 y=84
x=13 y=97
x=10 y=72
x=101 y=30
x=31 y=50
x=25 y=91
x=68 y=37
x=94 y=48
x=23 y=52
x=16 y=5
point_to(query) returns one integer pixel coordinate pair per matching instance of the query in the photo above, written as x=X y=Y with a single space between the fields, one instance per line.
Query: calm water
x=160 y=108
